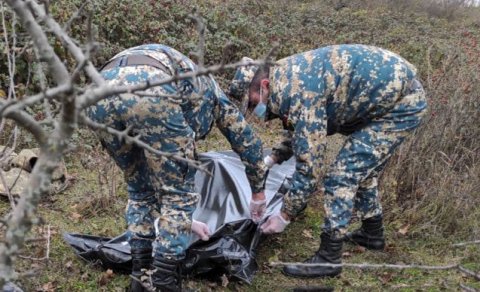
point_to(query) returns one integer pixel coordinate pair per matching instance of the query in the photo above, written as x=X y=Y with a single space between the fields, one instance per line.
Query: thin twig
x=16 y=105
x=67 y=41
x=270 y=57
x=200 y=52
x=470 y=273
x=467 y=288
x=47 y=252
x=56 y=67
x=93 y=95
x=7 y=189
x=29 y=274
x=77 y=14
x=7 y=151
x=226 y=52
x=158 y=95
x=123 y=136
x=10 y=56
x=367 y=266
x=466 y=243
x=146 y=287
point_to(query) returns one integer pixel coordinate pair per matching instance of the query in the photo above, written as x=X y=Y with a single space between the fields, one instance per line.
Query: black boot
x=330 y=252
x=166 y=274
x=141 y=259
x=370 y=235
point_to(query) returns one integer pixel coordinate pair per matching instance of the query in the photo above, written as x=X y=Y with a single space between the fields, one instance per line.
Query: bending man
x=371 y=95
x=169 y=118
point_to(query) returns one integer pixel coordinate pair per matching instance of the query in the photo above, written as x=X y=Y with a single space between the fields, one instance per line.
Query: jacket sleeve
x=243 y=141
x=308 y=144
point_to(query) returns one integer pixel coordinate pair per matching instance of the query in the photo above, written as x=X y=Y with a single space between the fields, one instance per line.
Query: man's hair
x=262 y=73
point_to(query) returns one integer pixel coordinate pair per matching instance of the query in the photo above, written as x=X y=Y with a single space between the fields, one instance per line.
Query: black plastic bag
x=223 y=207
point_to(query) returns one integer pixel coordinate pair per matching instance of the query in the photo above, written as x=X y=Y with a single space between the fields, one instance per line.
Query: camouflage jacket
x=325 y=91
x=203 y=103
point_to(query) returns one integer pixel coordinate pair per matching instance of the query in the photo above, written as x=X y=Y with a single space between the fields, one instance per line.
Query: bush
x=437 y=172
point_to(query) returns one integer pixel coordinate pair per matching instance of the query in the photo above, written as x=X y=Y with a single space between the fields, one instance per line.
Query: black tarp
x=225 y=197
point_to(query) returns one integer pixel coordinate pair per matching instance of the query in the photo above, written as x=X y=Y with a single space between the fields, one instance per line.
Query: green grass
x=76 y=210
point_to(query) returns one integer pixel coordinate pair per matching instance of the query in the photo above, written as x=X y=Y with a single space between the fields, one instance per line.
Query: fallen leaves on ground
x=106 y=277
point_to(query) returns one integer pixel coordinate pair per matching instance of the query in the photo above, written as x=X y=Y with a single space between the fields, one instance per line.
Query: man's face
x=253 y=99
x=257 y=100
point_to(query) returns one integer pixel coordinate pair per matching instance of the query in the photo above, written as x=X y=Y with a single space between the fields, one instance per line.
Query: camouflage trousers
x=351 y=182
x=160 y=189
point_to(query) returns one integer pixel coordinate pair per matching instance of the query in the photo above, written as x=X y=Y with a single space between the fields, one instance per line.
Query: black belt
x=132 y=60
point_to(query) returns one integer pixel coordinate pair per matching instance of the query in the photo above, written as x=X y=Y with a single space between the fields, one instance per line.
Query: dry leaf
x=212 y=284
x=76 y=216
x=404 y=229
x=48 y=287
x=84 y=276
x=359 y=249
x=69 y=265
x=106 y=277
x=307 y=233
x=386 y=278
x=224 y=280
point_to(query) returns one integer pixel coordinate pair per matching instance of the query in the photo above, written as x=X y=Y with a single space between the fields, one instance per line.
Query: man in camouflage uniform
x=371 y=95
x=169 y=118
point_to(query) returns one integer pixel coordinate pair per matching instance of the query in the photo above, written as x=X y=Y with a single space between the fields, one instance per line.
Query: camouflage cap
x=241 y=82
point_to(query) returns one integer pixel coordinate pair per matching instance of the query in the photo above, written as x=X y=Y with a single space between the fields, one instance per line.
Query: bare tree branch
x=68 y=43
x=123 y=136
x=200 y=52
x=55 y=64
x=18 y=105
x=10 y=53
x=70 y=100
x=25 y=121
x=52 y=146
x=93 y=95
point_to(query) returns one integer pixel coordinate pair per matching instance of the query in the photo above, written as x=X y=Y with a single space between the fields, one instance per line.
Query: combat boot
x=330 y=252
x=166 y=274
x=141 y=259
x=369 y=235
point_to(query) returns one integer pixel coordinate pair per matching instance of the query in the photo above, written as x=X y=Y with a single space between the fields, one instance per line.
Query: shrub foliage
x=434 y=178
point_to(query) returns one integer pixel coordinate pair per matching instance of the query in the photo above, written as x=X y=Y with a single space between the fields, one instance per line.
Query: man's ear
x=265 y=83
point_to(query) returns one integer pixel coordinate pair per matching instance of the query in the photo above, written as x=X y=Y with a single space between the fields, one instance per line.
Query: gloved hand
x=258 y=207
x=269 y=161
x=200 y=229
x=275 y=224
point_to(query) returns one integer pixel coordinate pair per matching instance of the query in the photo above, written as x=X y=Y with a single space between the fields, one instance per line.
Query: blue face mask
x=260 y=110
